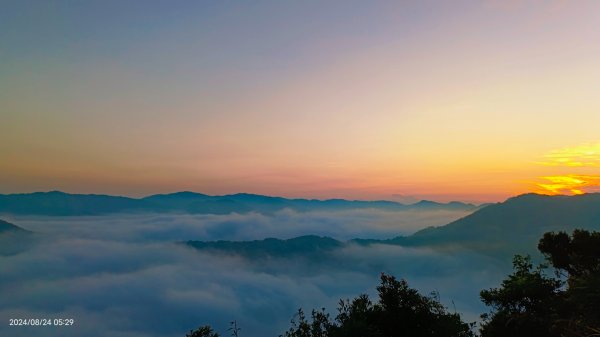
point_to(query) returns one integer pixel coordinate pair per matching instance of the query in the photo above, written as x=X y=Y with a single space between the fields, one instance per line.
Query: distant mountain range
x=57 y=203
x=500 y=230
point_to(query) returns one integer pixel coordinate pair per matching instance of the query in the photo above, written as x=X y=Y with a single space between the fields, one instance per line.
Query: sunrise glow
x=470 y=101
x=570 y=184
x=203 y=168
x=586 y=155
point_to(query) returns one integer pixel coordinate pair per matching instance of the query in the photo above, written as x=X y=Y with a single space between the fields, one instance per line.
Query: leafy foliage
x=524 y=305
x=400 y=311
x=529 y=303
x=577 y=257
x=203 y=331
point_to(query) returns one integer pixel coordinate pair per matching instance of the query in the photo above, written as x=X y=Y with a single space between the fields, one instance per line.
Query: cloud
x=585 y=155
x=579 y=160
x=343 y=225
x=115 y=279
x=570 y=184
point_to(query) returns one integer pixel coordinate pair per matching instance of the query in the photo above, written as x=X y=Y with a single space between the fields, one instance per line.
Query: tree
x=577 y=257
x=234 y=328
x=319 y=326
x=529 y=303
x=403 y=311
x=355 y=318
x=400 y=311
x=524 y=305
x=203 y=331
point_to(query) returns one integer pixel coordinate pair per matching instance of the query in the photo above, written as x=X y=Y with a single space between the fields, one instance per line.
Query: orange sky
x=474 y=101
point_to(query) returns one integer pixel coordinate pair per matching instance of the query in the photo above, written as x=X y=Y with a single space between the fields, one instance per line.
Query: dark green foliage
x=524 y=305
x=403 y=310
x=577 y=256
x=529 y=303
x=203 y=331
x=400 y=311
x=355 y=318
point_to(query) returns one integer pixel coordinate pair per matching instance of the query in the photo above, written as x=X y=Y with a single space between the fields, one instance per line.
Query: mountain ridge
x=500 y=229
x=58 y=203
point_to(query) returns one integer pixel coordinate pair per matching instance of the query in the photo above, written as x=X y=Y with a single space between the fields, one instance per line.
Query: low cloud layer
x=124 y=277
x=341 y=225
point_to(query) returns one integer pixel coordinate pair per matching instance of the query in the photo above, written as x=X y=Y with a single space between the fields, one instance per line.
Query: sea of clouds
x=126 y=275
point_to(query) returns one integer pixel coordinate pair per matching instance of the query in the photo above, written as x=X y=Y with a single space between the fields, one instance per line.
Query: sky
x=461 y=100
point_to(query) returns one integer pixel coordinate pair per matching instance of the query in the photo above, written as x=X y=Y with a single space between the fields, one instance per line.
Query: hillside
x=14 y=239
x=513 y=225
x=6 y=227
x=306 y=246
x=500 y=230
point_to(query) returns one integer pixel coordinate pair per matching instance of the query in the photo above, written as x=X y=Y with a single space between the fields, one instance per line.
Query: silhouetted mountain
x=516 y=223
x=501 y=229
x=305 y=246
x=191 y=202
x=178 y=196
x=246 y=202
x=428 y=204
x=8 y=227
x=59 y=203
x=425 y=204
x=14 y=239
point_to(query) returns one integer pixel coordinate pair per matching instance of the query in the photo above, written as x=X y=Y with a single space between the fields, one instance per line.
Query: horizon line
x=281 y=197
